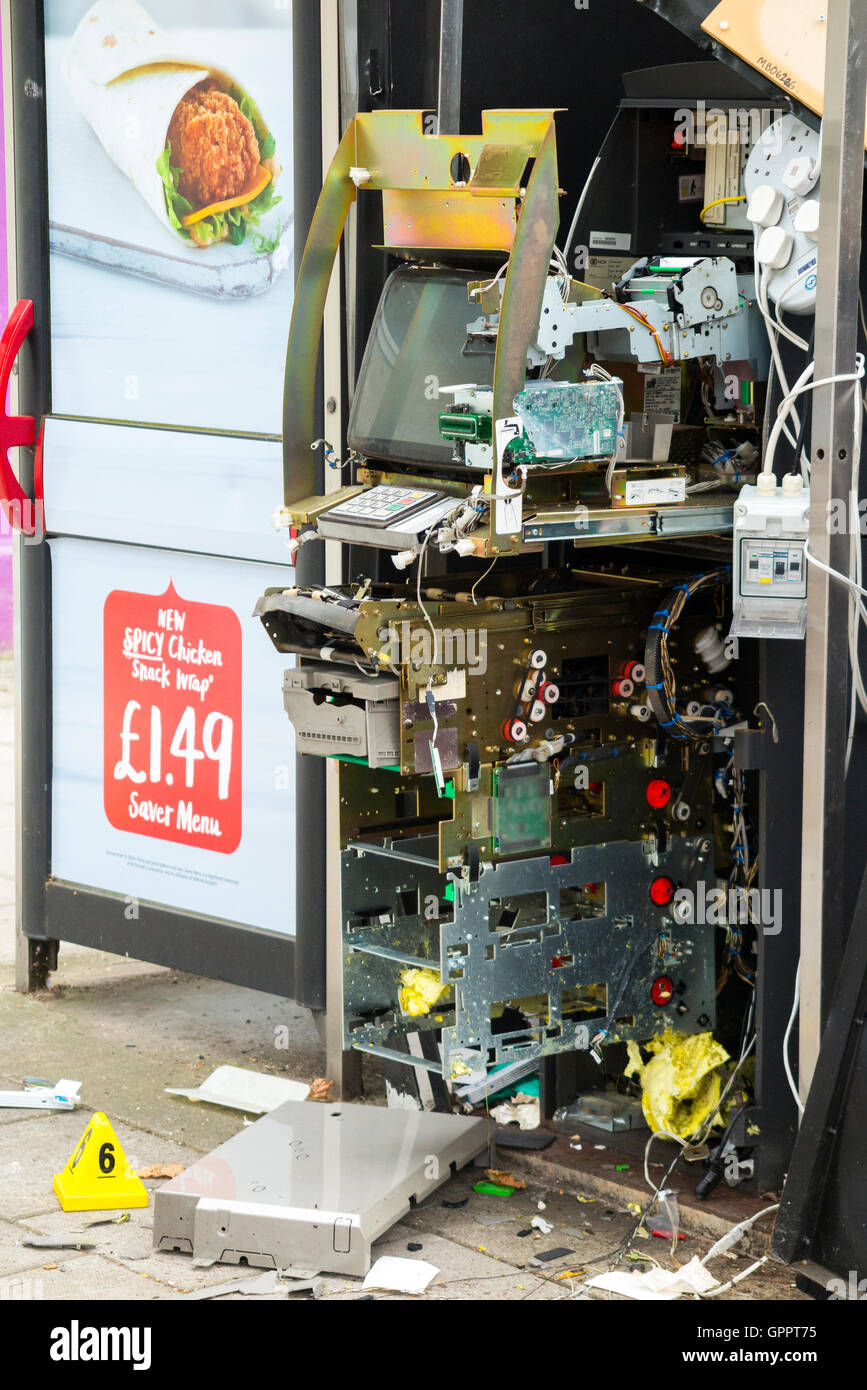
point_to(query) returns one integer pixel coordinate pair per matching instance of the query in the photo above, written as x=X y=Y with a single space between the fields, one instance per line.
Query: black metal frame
x=50 y=911
x=822 y=1212
x=34 y=570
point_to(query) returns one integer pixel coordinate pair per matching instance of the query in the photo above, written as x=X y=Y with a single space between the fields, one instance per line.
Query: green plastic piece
x=493 y=1189
x=362 y=762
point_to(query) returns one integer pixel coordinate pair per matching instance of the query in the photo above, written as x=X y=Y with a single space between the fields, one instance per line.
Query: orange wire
x=635 y=314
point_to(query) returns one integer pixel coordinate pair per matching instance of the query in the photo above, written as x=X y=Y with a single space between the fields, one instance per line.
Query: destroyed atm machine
x=523 y=697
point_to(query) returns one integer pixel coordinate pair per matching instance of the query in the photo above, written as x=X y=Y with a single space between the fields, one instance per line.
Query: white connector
x=807 y=219
x=774 y=249
x=403 y=559
x=709 y=646
x=801 y=175
x=766 y=484
x=765 y=206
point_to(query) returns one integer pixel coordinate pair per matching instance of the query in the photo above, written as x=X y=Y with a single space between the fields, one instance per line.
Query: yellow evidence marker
x=98 y=1176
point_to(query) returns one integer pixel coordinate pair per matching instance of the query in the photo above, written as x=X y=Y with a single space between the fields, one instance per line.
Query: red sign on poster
x=172 y=719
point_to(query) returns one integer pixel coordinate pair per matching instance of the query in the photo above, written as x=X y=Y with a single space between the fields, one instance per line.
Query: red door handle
x=15 y=430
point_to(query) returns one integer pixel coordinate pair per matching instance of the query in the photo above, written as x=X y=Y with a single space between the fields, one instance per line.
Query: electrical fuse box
x=771 y=529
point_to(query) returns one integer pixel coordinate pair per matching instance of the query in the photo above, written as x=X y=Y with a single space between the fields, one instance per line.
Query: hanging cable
x=661 y=684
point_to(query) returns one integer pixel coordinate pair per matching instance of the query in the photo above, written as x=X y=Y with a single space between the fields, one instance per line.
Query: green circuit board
x=565 y=420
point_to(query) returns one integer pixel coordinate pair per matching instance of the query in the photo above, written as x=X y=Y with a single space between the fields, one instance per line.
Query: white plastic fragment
x=400 y=1276
x=239 y=1089
x=64 y=1096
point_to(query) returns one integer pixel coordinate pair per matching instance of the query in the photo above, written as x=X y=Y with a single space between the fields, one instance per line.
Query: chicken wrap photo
x=189 y=137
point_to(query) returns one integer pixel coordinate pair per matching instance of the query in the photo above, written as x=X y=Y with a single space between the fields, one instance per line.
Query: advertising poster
x=170 y=210
x=170 y=228
x=174 y=778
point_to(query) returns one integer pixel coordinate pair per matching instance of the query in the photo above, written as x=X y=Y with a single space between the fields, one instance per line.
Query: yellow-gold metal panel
x=454 y=221
x=523 y=291
x=305 y=329
x=393 y=147
x=426 y=206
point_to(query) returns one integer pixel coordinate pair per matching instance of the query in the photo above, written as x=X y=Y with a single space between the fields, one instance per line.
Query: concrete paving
x=127 y=1030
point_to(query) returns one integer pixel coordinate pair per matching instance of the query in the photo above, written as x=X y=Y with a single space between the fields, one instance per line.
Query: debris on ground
x=505 y=1179
x=657 y=1284
x=237 y=1088
x=41 y=1095
x=525 y=1113
x=397 y=1275
x=559 y=1252
x=273 y=1281
x=161 y=1170
x=320 y=1088
x=58 y=1243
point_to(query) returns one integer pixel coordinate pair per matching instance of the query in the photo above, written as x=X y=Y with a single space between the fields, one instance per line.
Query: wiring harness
x=661 y=683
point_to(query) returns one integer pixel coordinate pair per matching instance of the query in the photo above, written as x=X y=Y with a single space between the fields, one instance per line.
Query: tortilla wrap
x=126 y=77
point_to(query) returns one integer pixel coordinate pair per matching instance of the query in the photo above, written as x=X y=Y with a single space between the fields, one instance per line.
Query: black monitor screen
x=417 y=344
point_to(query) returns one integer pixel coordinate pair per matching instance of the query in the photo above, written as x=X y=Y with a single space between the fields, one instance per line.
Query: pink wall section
x=5 y=532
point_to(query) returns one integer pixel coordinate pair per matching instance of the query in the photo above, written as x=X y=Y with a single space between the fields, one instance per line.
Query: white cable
x=802 y=385
x=784 y=329
x=735 y=1233
x=835 y=574
x=599 y=373
x=658 y=1134
x=744 y=1274
x=760 y=281
x=579 y=205
x=786 y=404
x=796 y=1004
x=480 y=289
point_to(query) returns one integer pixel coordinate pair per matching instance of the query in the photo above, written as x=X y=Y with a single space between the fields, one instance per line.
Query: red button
x=661 y=891
x=658 y=793
x=661 y=990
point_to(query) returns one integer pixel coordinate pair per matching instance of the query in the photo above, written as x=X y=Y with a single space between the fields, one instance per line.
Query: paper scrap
x=657 y=1285
x=399 y=1275
x=527 y=1115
